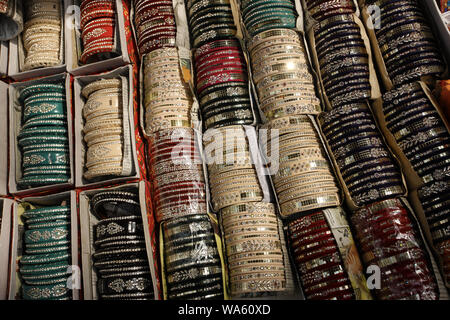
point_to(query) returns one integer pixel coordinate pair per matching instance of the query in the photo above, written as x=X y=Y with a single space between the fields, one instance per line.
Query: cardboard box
x=18 y=233
x=17 y=53
x=87 y=222
x=440 y=21
x=4 y=134
x=5 y=241
x=4 y=57
x=75 y=47
x=15 y=115
x=80 y=146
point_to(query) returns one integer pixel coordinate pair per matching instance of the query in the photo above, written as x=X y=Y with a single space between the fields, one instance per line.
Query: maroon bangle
x=219 y=52
x=214 y=46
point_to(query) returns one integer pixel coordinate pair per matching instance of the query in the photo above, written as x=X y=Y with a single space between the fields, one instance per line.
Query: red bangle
x=193 y=159
x=94 y=51
x=317 y=244
x=322 y=252
x=219 y=52
x=173 y=133
x=185 y=198
x=306 y=221
x=96 y=14
x=377 y=217
x=103 y=30
x=172 y=142
x=184 y=149
x=175 y=187
x=321 y=235
x=214 y=46
x=213 y=75
x=196 y=203
x=218 y=61
x=296 y=232
x=162 y=147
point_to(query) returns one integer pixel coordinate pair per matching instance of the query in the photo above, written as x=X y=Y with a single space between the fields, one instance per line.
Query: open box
x=440 y=22
x=17 y=235
x=4 y=133
x=15 y=123
x=4 y=57
x=17 y=52
x=87 y=222
x=5 y=241
x=129 y=148
x=75 y=45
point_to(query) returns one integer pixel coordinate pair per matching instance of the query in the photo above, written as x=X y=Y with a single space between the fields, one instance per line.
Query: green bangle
x=53 y=224
x=46 y=235
x=45 y=157
x=51 y=292
x=45 y=270
x=45 y=250
x=44 y=123
x=51 y=109
x=40 y=88
x=37 y=172
x=45 y=258
x=45 y=211
x=42 y=131
x=30 y=141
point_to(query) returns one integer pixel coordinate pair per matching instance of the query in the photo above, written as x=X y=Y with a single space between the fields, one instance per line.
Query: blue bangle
x=46 y=235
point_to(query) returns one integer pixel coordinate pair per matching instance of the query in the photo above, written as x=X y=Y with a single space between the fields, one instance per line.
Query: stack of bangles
x=168 y=99
x=304 y=179
x=192 y=264
x=250 y=227
x=318 y=259
x=222 y=84
x=103 y=128
x=343 y=59
x=120 y=258
x=43 y=138
x=387 y=238
x=362 y=157
x=281 y=74
x=421 y=134
x=155 y=25
x=262 y=15
x=254 y=250
x=177 y=170
x=322 y=9
x=210 y=20
x=46 y=259
x=220 y=67
x=98 y=22
x=232 y=174
x=406 y=41
x=42 y=35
